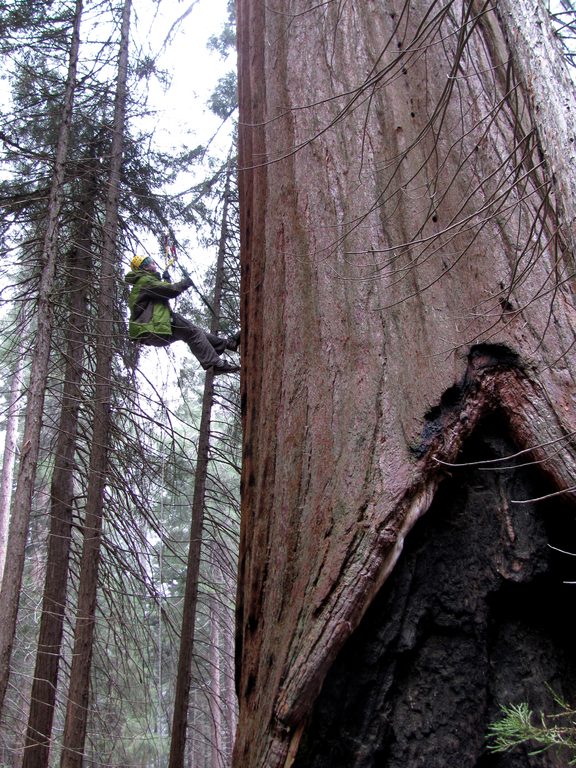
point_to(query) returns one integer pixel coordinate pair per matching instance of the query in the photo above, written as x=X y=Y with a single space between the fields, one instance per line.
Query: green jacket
x=150 y=314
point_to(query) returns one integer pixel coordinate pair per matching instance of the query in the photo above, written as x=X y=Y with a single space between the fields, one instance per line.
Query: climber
x=153 y=322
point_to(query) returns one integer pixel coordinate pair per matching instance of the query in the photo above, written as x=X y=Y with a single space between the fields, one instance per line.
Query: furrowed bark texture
x=403 y=276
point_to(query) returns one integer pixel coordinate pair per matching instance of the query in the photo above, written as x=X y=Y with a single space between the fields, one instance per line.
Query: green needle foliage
x=519 y=725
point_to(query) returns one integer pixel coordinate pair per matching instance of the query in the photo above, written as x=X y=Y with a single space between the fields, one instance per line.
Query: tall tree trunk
x=229 y=700
x=45 y=681
x=12 y=580
x=9 y=457
x=187 y=634
x=405 y=274
x=78 y=695
x=215 y=692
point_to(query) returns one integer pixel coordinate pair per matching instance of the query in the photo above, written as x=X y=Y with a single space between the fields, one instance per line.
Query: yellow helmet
x=137 y=261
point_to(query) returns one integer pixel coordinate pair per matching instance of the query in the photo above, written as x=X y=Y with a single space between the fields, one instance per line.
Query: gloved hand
x=166 y=276
x=187 y=282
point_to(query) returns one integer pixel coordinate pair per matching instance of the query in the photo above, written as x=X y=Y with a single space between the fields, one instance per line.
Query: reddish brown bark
x=397 y=230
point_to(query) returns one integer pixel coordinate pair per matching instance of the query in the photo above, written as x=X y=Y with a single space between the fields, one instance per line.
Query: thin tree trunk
x=194 y=751
x=223 y=613
x=187 y=634
x=78 y=695
x=230 y=700
x=45 y=681
x=11 y=583
x=215 y=693
x=184 y=672
x=10 y=449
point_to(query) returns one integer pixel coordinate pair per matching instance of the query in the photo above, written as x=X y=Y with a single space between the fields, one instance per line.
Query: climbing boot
x=233 y=342
x=224 y=367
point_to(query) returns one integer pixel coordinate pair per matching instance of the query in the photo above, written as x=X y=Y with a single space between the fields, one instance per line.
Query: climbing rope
x=171 y=258
x=169 y=247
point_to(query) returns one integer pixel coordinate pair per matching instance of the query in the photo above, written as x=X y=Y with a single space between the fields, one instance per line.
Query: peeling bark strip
x=403 y=273
x=550 y=89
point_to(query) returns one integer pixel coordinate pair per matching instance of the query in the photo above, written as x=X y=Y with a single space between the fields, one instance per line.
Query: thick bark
x=78 y=694
x=402 y=277
x=51 y=630
x=22 y=502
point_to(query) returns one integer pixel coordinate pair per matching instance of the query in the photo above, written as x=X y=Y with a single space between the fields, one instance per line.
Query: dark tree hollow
x=477 y=614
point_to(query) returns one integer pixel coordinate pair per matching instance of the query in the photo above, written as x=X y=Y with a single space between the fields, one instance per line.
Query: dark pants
x=205 y=346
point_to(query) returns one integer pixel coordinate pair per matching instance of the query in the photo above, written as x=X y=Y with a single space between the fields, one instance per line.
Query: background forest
x=119 y=485
x=406 y=206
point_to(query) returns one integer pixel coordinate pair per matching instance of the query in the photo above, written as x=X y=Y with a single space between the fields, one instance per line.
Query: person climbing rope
x=153 y=322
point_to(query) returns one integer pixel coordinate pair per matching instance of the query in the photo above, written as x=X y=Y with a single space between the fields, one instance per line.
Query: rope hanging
x=171 y=257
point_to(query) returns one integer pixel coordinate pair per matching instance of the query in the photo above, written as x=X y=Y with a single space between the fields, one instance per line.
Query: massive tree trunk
x=406 y=276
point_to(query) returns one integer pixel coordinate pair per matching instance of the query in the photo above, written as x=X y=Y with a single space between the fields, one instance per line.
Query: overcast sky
x=181 y=114
x=194 y=70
